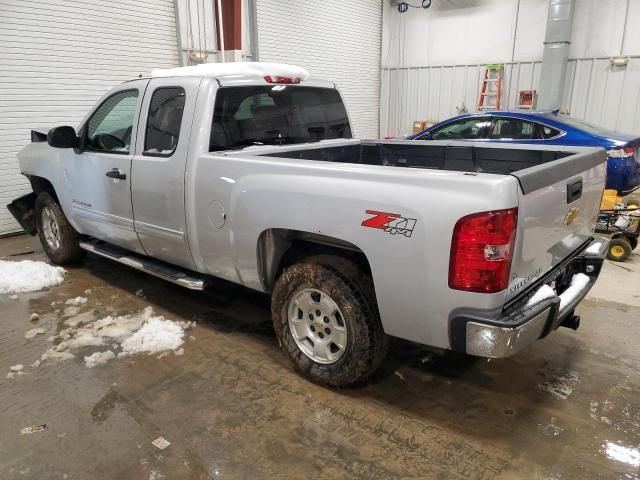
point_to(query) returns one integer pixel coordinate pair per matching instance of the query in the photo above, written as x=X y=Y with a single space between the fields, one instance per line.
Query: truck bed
x=536 y=165
x=453 y=157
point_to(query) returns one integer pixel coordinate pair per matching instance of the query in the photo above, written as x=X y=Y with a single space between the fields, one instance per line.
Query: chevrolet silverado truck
x=248 y=173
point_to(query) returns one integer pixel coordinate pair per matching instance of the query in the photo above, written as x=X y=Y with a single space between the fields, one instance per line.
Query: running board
x=151 y=266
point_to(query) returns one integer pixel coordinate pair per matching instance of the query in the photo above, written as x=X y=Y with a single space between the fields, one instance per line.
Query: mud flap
x=22 y=210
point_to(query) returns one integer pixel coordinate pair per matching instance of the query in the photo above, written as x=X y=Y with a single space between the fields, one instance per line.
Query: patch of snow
x=34 y=317
x=260 y=69
x=76 y=302
x=561 y=385
x=155 y=336
x=179 y=352
x=33 y=332
x=543 y=293
x=99 y=358
x=28 y=276
x=53 y=354
x=35 y=364
x=79 y=319
x=142 y=332
x=87 y=291
x=16 y=368
x=596 y=247
x=578 y=283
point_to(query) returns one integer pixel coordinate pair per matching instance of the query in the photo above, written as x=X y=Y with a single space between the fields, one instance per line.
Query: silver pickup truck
x=251 y=176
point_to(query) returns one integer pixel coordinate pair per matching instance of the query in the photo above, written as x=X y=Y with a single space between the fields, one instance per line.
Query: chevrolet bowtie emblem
x=571 y=216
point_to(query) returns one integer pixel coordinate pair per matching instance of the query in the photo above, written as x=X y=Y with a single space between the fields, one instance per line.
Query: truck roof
x=249 y=69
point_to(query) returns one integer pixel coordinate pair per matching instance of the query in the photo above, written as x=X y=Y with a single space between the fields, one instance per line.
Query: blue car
x=548 y=128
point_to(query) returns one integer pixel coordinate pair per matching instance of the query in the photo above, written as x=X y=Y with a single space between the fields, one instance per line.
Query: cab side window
x=109 y=128
x=164 y=121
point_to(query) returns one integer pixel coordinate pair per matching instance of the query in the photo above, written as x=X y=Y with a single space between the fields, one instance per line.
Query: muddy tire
x=326 y=319
x=619 y=250
x=60 y=241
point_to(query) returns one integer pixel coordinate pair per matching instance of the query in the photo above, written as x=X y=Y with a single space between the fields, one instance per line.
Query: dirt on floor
x=231 y=407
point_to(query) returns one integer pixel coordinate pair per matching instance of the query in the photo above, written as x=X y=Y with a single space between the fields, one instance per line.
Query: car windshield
x=582 y=125
x=276 y=115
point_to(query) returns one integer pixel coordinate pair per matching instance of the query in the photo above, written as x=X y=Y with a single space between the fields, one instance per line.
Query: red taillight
x=481 y=250
x=280 y=79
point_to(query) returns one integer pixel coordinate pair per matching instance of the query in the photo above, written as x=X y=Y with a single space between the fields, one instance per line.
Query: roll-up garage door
x=57 y=57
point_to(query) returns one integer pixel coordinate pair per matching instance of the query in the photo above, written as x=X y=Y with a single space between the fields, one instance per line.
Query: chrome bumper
x=507 y=335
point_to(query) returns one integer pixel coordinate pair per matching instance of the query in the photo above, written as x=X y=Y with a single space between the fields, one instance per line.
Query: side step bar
x=151 y=266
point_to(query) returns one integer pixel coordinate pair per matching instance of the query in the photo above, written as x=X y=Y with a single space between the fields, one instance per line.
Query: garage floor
x=568 y=407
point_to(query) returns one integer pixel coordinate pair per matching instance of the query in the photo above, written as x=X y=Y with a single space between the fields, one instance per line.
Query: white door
x=57 y=58
x=334 y=40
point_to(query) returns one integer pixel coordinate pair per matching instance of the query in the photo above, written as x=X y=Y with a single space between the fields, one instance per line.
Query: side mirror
x=62 y=137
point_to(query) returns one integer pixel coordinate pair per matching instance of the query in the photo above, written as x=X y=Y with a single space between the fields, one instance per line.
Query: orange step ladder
x=491 y=87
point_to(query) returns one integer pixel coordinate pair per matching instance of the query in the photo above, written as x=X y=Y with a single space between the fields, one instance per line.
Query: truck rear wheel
x=326 y=319
x=619 y=250
x=59 y=240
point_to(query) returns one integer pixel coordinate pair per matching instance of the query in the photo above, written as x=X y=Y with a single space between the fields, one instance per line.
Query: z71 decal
x=392 y=223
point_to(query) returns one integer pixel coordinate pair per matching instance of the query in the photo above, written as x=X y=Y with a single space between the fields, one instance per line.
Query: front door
x=99 y=173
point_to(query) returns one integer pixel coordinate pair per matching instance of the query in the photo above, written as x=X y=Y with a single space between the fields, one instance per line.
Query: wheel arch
x=279 y=248
x=41 y=184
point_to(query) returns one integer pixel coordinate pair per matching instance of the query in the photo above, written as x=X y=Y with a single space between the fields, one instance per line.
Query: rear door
x=558 y=206
x=158 y=168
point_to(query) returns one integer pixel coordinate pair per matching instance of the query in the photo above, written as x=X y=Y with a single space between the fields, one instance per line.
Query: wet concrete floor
x=231 y=407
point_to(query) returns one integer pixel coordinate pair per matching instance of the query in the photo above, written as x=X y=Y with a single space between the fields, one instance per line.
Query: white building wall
x=58 y=58
x=433 y=59
x=333 y=39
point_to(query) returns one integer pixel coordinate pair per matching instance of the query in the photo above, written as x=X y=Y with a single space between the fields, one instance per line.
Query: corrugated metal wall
x=58 y=57
x=333 y=39
x=594 y=91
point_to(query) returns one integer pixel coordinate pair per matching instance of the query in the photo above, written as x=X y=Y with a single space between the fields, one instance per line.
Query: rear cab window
x=276 y=115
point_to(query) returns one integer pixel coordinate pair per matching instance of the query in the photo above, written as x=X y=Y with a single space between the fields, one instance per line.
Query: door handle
x=116 y=173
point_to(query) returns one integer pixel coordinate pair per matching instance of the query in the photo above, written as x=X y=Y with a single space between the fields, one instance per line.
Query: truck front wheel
x=60 y=241
x=326 y=319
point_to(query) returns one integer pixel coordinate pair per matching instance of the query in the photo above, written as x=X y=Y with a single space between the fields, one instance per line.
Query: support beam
x=556 y=53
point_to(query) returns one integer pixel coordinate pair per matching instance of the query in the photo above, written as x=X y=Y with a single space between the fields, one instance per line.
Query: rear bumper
x=525 y=319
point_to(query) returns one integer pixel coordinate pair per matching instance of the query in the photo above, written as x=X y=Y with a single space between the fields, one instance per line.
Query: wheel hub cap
x=617 y=251
x=317 y=325
x=50 y=228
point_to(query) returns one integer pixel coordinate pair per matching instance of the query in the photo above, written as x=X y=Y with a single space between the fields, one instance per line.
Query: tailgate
x=557 y=210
